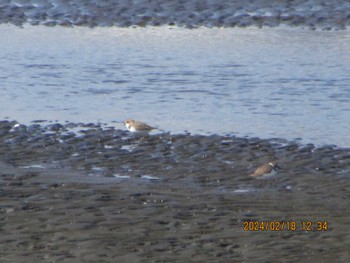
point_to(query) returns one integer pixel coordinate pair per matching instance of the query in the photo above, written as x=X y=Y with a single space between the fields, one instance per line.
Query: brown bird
x=138 y=127
x=265 y=171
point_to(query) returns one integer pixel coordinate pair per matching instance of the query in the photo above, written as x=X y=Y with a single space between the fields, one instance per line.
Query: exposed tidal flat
x=78 y=188
x=89 y=192
x=314 y=14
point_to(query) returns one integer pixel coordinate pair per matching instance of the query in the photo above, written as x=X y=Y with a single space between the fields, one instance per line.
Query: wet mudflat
x=314 y=14
x=90 y=193
x=77 y=192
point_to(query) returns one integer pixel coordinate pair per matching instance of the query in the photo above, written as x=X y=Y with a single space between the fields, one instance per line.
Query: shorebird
x=266 y=170
x=138 y=127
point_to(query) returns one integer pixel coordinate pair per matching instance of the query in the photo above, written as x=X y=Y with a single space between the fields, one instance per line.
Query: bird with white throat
x=138 y=127
x=266 y=170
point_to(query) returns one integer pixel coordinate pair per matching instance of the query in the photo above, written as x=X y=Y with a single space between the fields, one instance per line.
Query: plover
x=138 y=127
x=265 y=171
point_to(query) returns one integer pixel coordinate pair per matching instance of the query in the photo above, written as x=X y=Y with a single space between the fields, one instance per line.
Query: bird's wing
x=143 y=126
x=263 y=169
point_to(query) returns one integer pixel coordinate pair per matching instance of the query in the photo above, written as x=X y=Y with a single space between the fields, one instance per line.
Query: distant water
x=280 y=82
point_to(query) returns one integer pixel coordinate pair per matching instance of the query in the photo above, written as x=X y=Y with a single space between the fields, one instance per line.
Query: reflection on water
x=282 y=83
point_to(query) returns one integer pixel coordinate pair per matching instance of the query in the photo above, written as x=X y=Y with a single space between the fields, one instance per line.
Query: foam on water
x=34 y=166
x=150 y=177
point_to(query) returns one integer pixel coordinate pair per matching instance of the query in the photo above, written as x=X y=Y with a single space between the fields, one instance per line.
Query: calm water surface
x=284 y=83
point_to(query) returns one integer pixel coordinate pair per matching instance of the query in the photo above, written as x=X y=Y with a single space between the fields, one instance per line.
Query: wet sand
x=313 y=14
x=91 y=193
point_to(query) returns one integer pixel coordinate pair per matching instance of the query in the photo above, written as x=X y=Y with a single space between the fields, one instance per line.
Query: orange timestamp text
x=285 y=225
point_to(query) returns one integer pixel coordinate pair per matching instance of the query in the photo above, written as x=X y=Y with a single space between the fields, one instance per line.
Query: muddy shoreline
x=91 y=193
x=313 y=14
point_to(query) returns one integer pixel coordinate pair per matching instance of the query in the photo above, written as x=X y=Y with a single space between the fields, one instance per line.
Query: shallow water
x=285 y=83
